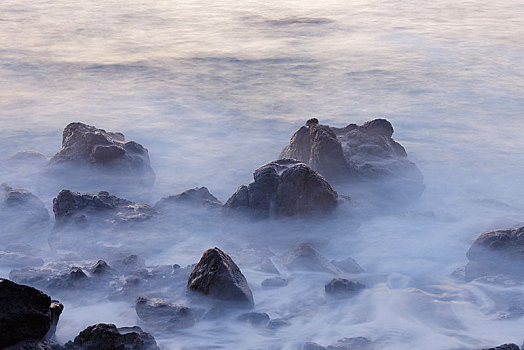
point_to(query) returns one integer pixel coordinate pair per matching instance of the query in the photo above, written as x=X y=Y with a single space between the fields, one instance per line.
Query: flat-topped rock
x=285 y=187
x=104 y=154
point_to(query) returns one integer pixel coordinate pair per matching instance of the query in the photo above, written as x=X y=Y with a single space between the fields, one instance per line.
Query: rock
x=509 y=346
x=341 y=287
x=160 y=312
x=74 y=279
x=217 y=275
x=348 y=265
x=312 y=346
x=499 y=252
x=285 y=187
x=28 y=158
x=42 y=344
x=108 y=337
x=354 y=152
x=25 y=313
x=77 y=208
x=305 y=257
x=255 y=318
x=21 y=211
x=101 y=268
x=196 y=196
x=106 y=155
x=278 y=323
x=274 y=282
x=267 y=266
x=355 y=343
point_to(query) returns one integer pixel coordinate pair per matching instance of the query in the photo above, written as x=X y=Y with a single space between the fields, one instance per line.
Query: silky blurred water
x=215 y=89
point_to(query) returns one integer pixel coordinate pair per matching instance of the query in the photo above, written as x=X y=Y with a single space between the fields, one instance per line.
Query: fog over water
x=215 y=89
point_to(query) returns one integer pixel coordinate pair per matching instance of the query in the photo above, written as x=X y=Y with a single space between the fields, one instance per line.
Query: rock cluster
x=285 y=187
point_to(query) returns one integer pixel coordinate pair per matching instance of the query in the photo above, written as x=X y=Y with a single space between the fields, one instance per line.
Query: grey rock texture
x=217 y=275
x=341 y=287
x=199 y=196
x=305 y=257
x=25 y=313
x=509 y=346
x=164 y=314
x=285 y=187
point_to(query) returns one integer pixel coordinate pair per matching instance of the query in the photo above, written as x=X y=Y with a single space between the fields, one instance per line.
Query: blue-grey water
x=214 y=89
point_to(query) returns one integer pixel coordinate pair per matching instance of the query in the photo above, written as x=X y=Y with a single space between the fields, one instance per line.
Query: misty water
x=215 y=89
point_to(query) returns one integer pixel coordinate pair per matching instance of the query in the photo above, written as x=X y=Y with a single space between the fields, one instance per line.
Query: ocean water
x=215 y=89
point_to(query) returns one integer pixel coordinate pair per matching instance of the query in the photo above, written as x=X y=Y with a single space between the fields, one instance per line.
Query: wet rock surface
x=25 y=313
x=354 y=152
x=105 y=154
x=108 y=337
x=217 y=275
x=160 y=313
x=341 y=287
x=199 y=196
x=285 y=187
x=498 y=252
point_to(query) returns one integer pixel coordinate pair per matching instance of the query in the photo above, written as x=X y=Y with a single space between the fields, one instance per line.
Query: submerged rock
x=42 y=344
x=161 y=313
x=348 y=265
x=509 y=346
x=195 y=196
x=217 y=275
x=354 y=153
x=25 y=313
x=108 y=337
x=104 y=154
x=312 y=346
x=285 y=187
x=305 y=257
x=354 y=343
x=274 y=282
x=499 y=252
x=28 y=157
x=341 y=287
x=256 y=319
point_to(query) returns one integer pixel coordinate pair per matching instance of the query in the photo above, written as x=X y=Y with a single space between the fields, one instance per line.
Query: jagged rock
x=161 y=313
x=21 y=211
x=342 y=287
x=353 y=152
x=105 y=154
x=499 y=252
x=255 y=318
x=25 y=313
x=305 y=257
x=348 y=265
x=285 y=187
x=509 y=346
x=108 y=337
x=101 y=268
x=42 y=344
x=74 y=207
x=312 y=346
x=274 y=282
x=195 y=196
x=75 y=278
x=217 y=275
x=354 y=343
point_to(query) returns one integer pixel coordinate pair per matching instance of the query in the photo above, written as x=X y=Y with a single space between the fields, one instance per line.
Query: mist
x=214 y=91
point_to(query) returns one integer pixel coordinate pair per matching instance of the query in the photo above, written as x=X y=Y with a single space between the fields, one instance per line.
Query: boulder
x=161 y=313
x=77 y=208
x=108 y=337
x=25 y=313
x=105 y=154
x=499 y=252
x=199 y=196
x=217 y=275
x=285 y=187
x=274 y=282
x=354 y=152
x=42 y=344
x=256 y=319
x=305 y=257
x=341 y=287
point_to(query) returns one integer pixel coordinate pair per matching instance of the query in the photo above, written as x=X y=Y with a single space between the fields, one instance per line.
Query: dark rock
x=75 y=278
x=354 y=152
x=274 y=282
x=312 y=346
x=285 y=188
x=196 y=196
x=101 y=268
x=509 y=346
x=106 y=154
x=104 y=208
x=305 y=257
x=25 y=313
x=499 y=252
x=217 y=275
x=343 y=288
x=255 y=318
x=42 y=344
x=355 y=343
x=278 y=323
x=159 y=312
x=348 y=265
x=107 y=337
